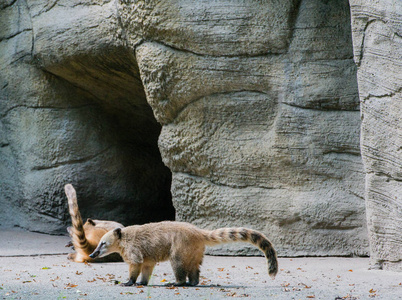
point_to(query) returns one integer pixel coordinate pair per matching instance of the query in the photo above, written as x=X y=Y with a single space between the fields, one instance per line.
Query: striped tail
x=229 y=235
x=80 y=242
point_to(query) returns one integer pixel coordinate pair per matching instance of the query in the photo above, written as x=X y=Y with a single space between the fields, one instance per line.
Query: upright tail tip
x=69 y=190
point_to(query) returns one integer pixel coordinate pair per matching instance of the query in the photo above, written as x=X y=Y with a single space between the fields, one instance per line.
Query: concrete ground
x=35 y=266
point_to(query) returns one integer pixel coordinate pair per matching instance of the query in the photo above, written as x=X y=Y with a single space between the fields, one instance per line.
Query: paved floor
x=34 y=266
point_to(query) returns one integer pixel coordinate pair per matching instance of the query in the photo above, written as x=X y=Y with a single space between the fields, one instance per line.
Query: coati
x=85 y=237
x=142 y=246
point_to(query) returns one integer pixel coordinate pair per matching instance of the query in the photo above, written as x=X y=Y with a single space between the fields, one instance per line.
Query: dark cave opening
x=126 y=180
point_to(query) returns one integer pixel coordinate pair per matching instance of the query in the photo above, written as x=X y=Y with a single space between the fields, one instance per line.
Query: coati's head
x=108 y=244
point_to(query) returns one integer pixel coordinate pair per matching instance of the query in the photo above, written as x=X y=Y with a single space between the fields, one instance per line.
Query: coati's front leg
x=146 y=272
x=134 y=270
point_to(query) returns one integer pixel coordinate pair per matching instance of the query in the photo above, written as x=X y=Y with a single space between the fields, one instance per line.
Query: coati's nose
x=95 y=254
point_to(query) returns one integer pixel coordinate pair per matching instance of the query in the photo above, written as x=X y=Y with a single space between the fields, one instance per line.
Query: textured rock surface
x=260 y=129
x=377 y=37
x=73 y=110
x=258 y=104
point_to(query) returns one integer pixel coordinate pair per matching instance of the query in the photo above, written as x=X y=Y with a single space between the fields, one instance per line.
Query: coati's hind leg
x=194 y=276
x=146 y=272
x=194 y=270
x=179 y=270
x=134 y=270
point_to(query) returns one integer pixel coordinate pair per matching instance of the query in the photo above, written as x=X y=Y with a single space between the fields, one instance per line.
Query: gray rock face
x=259 y=129
x=73 y=110
x=377 y=41
x=258 y=104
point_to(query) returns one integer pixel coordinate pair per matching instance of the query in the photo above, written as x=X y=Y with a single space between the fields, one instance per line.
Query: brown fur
x=85 y=237
x=181 y=243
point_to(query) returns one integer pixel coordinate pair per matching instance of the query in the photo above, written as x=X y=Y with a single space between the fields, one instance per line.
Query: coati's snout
x=95 y=254
x=108 y=244
x=100 y=251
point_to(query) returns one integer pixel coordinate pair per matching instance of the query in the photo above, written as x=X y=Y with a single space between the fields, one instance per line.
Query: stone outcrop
x=377 y=41
x=259 y=129
x=253 y=107
x=73 y=110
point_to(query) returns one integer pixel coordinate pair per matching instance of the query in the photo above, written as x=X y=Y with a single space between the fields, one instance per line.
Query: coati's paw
x=72 y=256
x=128 y=283
x=170 y=284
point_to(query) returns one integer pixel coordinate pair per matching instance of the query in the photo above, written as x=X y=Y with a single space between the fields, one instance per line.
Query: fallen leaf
x=70 y=285
x=46 y=268
x=221 y=269
x=102 y=278
x=57 y=278
x=163 y=280
x=78 y=273
x=372 y=291
x=311 y=297
x=350 y=270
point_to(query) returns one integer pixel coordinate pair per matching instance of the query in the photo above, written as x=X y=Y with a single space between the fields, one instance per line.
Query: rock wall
x=73 y=110
x=258 y=104
x=377 y=41
x=261 y=123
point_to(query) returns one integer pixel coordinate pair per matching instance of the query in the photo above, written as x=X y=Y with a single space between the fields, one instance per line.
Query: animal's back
x=158 y=241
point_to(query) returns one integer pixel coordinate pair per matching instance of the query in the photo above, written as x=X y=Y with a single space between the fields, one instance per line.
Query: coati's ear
x=117 y=232
x=90 y=221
